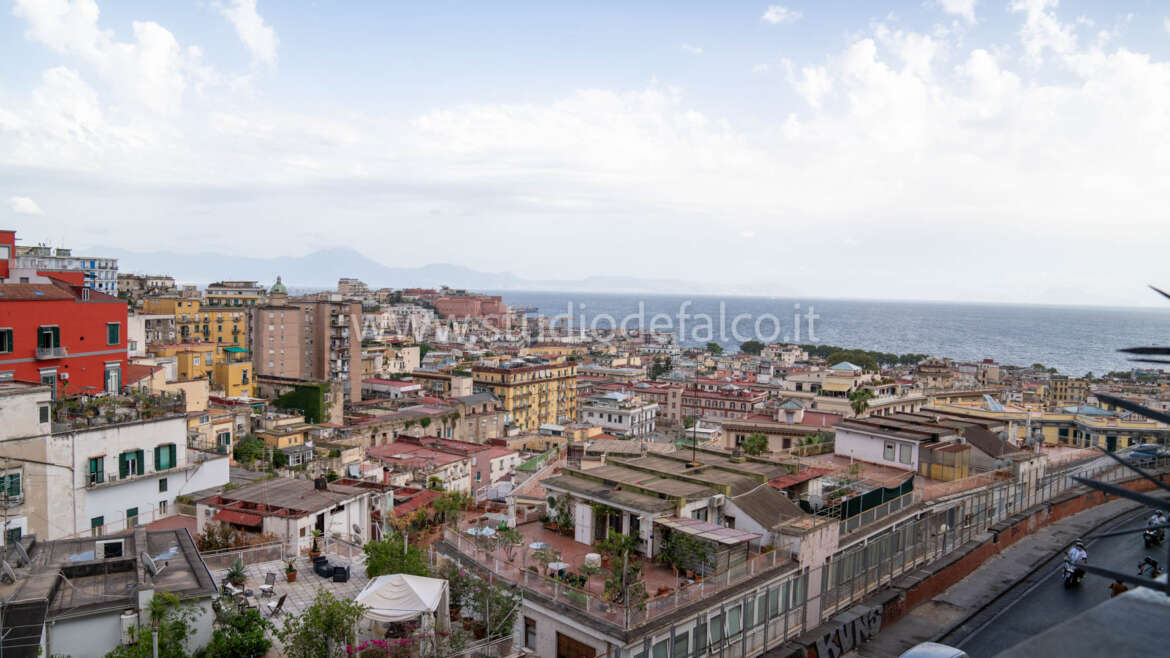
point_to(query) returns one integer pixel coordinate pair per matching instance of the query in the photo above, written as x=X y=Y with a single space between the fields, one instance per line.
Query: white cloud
x=23 y=205
x=937 y=140
x=964 y=9
x=259 y=38
x=152 y=69
x=1166 y=24
x=691 y=50
x=779 y=14
x=813 y=83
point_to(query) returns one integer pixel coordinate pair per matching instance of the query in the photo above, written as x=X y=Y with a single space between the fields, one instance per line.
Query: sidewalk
x=995 y=576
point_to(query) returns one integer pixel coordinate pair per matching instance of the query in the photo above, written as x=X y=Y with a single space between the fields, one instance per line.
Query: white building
x=390 y=388
x=895 y=442
x=100 y=273
x=62 y=480
x=293 y=509
x=620 y=414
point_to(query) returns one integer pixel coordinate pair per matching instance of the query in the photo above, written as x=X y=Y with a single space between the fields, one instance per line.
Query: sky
x=1011 y=151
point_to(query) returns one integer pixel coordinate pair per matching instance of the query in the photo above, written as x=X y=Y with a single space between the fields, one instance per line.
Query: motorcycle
x=1072 y=575
x=1153 y=537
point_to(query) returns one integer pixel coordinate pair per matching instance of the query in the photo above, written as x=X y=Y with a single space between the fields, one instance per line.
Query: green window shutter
x=173 y=449
x=123 y=465
x=141 y=462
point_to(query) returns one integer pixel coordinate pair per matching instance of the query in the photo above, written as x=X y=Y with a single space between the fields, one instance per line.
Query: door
x=1111 y=443
x=567 y=647
x=583 y=522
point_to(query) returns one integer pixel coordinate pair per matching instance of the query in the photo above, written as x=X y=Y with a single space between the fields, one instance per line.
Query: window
x=131 y=463
x=131 y=517
x=904 y=453
x=162 y=485
x=5 y=341
x=43 y=412
x=700 y=637
x=681 y=644
x=164 y=457
x=96 y=525
x=97 y=470
x=10 y=486
x=661 y=650
x=113 y=333
x=529 y=633
x=162 y=508
x=12 y=535
x=716 y=628
x=48 y=337
x=888 y=455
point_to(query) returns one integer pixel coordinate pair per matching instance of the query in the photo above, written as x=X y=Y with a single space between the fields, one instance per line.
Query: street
x=1042 y=599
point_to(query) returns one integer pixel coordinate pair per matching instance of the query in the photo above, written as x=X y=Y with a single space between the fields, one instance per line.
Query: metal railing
x=797 y=603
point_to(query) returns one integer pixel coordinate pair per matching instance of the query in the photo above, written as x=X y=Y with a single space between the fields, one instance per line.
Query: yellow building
x=533 y=393
x=1066 y=390
x=195 y=320
x=1082 y=426
x=283 y=430
x=238 y=294
x=232 y=374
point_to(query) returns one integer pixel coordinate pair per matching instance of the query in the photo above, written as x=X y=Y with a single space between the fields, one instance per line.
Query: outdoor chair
x=323 y=568
x=340 y=574
x=274 y=607
x=268 y=588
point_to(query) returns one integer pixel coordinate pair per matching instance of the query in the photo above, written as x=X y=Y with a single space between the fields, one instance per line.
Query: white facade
x=620 y=414
x=876 y=448
x=112 y=491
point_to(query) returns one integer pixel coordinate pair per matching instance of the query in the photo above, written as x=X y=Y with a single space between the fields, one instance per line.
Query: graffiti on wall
x=848 y=635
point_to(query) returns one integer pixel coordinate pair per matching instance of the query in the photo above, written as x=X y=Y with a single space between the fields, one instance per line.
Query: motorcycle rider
x=1077 y=555
x=1156 y=521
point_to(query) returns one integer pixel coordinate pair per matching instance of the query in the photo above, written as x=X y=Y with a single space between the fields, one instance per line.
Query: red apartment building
x=57 y=331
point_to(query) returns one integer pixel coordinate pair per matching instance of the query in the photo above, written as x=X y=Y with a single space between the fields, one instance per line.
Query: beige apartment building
x=309 y=339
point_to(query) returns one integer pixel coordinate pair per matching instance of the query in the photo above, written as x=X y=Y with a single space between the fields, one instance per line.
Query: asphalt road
x=1041 y=600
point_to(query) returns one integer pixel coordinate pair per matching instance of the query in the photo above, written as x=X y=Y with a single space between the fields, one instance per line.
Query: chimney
x=320 y=484
x=386 y=475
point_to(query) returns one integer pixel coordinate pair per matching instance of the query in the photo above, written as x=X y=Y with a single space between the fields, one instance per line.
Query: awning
x=239 y=518
x=708 y=531
x=235 y=350
x=837 y=386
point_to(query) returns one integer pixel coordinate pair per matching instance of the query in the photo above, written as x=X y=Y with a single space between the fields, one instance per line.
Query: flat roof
x=608 y=494
x=621 y=475
x=708 y=531
x=296 y=495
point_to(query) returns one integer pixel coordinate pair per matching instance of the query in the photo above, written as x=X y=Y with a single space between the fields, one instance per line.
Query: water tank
x=128 y=621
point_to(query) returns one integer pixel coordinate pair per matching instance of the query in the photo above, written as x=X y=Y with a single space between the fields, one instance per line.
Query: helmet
x=1079 y=544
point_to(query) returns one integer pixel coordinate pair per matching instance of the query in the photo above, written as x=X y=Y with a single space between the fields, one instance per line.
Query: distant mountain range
x=321 y=270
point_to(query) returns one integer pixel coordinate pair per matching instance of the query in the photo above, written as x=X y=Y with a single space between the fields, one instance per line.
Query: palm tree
x=859 y=400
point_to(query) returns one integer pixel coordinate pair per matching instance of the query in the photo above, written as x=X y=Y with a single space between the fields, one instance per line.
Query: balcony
x=9 y=501
x=52 y=353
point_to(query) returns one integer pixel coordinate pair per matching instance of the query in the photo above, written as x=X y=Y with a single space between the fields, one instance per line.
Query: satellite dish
x=357 y=530
x=22 y=553
x=6 y=571
x=149 y=563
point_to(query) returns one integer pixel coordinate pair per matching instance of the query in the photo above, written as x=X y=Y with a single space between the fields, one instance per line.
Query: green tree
x=424 y=422
x=448 y=502
x=856 y=357
x=393 y=555
x=423 y=348
x=662 y=365
x=624 y=584
x=714 y=348
x=243 y=635
x=324 y=629
x=248 y=449
x=509 y=539
x=682 y=551
x=859 y=400
x=751 y=347
x=173 y=618
x=755 y=444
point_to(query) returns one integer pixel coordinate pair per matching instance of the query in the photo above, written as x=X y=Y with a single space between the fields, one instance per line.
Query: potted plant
x=315 y=548
x=236 y=575
x=290 y=571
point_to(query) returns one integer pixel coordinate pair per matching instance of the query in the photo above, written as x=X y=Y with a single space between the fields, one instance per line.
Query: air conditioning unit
x=63 y=376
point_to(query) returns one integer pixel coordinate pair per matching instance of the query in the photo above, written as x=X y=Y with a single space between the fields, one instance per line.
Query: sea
x=1075 y=340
